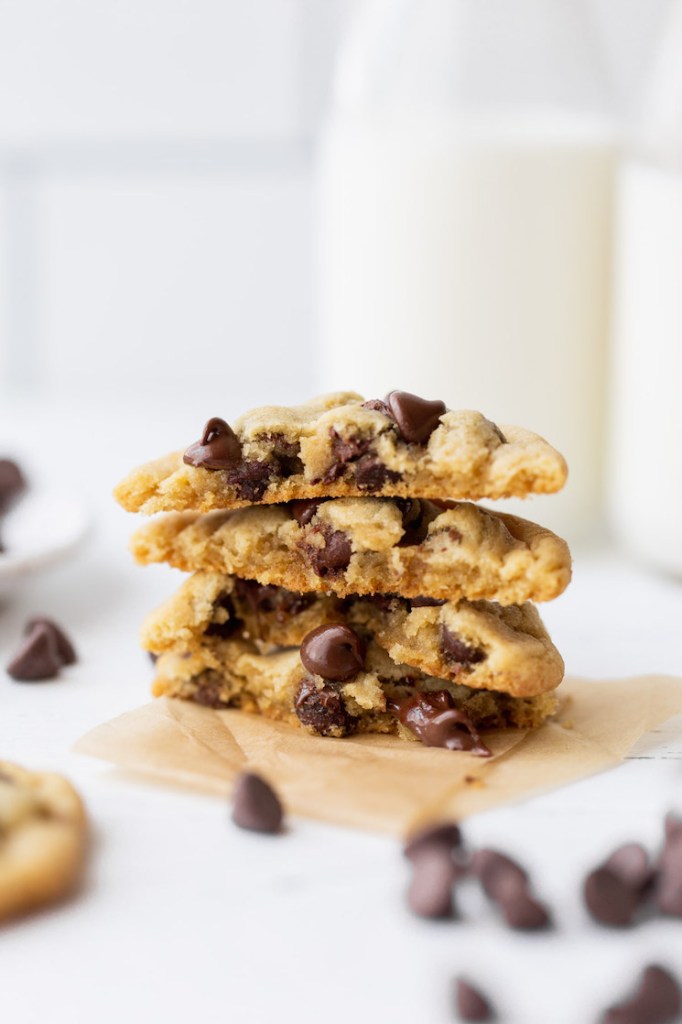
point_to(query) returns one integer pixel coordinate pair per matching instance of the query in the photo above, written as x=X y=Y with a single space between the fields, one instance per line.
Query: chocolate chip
x=322 y=710
x=209 y=689
x=372 y=475
x=65 y=648
x=669 y=887
x=415 y=523
x=261 y=598
x=12 y=483
x=304 y=511
x=426 y=602
x=416 y=417
x=445 y=835
x=609 y=899
x=376 y=405
x=251 y=479
x=430 y=890
x=344 y=450
x=657 y=1000
x=230 y=625
x=436 y=722
x=470 y=1002
x=334 y=557
x=521 y=910
x=492 y=867
x=456 y=651
x=498 y=432
x=630 y=863
x=38 y=657
x=218 y=448
x=256 y=806
x=333 y=651
x=285 y=455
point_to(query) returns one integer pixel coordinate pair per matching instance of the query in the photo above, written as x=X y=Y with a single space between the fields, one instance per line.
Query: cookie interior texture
x=368 y=545
x=339 y=446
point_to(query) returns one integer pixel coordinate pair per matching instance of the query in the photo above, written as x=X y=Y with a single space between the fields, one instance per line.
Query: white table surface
x=184 y=917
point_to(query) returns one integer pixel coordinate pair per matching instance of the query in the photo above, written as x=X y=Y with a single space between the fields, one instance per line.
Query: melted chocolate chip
x=256 y=806
x=303 y=511
x=333 y=651
x=470 y=1003
x=334 y=557
x=426 y=602
x=322 y=710
x=218 y=448
x=65 y=648
x=415 y=522
x=262 y=598
x=345 y=450
x=416 y=417
x=251 y=479
x=657 y=1000
x=12 y=483
x=38 y=658
x=436 y=722
x=231 y=624
x=456 y=651
x=433 y=877
x=372 y=475
x=209 y=689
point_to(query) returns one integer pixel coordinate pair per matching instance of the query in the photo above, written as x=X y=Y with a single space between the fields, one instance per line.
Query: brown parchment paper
x=380 y=782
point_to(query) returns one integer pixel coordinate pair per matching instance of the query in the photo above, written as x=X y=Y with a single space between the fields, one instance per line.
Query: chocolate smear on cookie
x=470 y=1003
x=436 y=722
x=218 y=448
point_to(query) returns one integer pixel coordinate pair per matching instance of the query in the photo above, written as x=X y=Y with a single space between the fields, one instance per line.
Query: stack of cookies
x=342 y=579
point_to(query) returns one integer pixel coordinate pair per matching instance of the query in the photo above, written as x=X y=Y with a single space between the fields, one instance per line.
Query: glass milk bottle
x=465 y=186
x=646 y=430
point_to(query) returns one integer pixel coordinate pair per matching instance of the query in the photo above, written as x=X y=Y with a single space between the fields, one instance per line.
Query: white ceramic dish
x=44 y=527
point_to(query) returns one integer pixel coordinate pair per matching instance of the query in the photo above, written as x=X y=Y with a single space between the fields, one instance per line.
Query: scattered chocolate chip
x=322 y=710
x=334 y=557
x=372 y=475
x=456 y=651
x=376 y=405
x=445 y=835
x=218 y=448
x=38 y=657
x=433 y=877
x=12 y=483
x=256 y=806
x=470 y=1002
x=416 y=417
x=657 y=1000
x=436 y=722
x=426 y=602
x=251 y=479
x=491 y=868
x=609 y=899
x=520 y=909
x=669 y=884
x=65 y=648
x=630 y=863
x=333 y=651
x=303 y=511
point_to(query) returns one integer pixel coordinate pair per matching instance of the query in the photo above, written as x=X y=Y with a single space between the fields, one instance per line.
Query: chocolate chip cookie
x=42 y=838
x=339 y=445
x=478 y=643
x=368 y=545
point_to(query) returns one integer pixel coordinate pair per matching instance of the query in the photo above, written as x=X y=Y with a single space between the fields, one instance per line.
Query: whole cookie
x=42 y=838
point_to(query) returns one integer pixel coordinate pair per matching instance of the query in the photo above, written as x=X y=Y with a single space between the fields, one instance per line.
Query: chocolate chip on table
x=470 y=1003
x=434 y=719
x=657 y=1000
x=491 y=867
x=456 y=651
x=426 y=602
x=415 y=417
x=609 y=899
x=630 y=863
x=333 y=651
x=334 y=557
x=12 y=483
x=256 y=806
x=520 y=909
x=303 y=511
x=38 y=657
x=445 y=835
x=669 y=881
x=322 y=710
x=218 y=448
x=65 y=648
x=433 y=877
